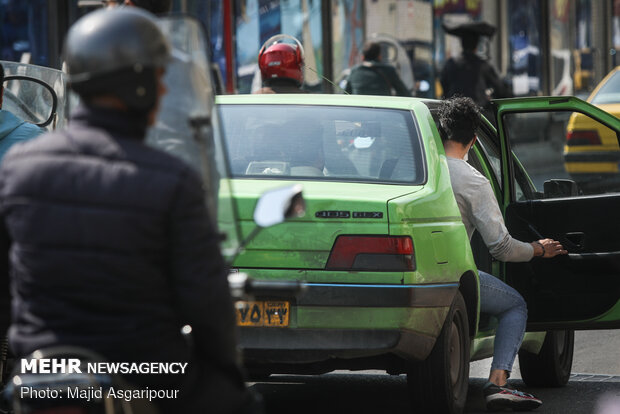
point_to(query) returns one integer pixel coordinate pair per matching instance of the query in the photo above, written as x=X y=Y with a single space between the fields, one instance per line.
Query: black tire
x=552 y=366
x=439 y=384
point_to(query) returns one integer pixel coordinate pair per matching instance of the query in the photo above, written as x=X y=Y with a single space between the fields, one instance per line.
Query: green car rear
x=382 y=248
x=389 y=273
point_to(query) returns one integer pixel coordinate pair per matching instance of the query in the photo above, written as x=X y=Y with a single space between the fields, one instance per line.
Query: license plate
x=262 y=313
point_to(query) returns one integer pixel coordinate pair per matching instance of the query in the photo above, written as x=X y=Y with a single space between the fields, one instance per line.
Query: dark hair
x=371 y=51
x=154 y=6
x=459 y=118
x=1 y=75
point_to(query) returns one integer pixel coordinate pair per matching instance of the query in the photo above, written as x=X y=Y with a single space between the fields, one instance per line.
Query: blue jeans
x=509 y=307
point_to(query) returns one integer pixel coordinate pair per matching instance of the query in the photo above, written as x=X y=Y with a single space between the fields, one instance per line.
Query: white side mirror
x=275 y=206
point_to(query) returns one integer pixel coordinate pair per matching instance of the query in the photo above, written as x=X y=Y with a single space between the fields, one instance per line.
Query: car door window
x=524 y=189
x=565 y=154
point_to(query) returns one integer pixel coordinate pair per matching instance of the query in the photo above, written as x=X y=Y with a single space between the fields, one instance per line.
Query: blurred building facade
x=542 y=47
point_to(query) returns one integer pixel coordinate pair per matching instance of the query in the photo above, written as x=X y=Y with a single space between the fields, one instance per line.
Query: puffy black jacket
x=112 y=248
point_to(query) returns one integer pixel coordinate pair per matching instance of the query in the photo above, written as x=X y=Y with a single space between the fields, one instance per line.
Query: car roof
x=371 y=101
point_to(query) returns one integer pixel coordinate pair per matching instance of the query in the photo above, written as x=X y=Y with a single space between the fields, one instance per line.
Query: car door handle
x=574 y=241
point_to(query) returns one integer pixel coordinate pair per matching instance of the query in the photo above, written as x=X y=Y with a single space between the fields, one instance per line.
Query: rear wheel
x=552 y=366
x=439 y=384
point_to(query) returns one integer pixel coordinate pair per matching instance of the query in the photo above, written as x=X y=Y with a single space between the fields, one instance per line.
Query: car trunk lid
x=332 y=209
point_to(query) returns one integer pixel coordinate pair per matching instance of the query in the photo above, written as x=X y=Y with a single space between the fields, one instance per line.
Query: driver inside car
x=13 y=129
x=293 y=148
x=306 y=154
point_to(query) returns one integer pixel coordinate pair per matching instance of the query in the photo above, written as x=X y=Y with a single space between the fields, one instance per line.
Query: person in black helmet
x=111 y=245
x=372 y=77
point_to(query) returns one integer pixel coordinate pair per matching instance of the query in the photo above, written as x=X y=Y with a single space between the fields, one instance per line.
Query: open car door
x=565 y=185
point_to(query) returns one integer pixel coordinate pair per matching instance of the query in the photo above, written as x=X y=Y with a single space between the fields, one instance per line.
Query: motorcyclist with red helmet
x=281 y=63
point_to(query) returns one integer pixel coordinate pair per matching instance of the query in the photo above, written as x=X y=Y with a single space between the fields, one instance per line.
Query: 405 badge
x=263 y=313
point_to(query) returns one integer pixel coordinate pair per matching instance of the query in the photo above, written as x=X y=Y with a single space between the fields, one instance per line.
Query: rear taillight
x=378 y=253
x=579 y=137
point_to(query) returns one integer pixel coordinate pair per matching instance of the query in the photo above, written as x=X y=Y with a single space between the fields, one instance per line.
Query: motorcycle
x=69 y=388
x=37 y=95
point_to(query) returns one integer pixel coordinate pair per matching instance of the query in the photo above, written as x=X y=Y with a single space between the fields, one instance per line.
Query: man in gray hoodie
x=460 y=118
x=13 y=129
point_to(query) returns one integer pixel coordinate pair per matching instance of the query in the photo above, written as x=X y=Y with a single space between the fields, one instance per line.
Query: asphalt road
x=596 y=375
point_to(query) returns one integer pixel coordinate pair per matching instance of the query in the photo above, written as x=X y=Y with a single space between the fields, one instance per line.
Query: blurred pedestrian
x=470 y=75
x=281 y=63
x=372 y=77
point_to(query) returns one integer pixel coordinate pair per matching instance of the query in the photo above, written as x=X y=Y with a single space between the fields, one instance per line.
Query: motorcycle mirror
x=30 y=99
x=277 y=205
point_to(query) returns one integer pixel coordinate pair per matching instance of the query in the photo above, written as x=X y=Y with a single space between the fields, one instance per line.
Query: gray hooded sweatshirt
x=479 y=210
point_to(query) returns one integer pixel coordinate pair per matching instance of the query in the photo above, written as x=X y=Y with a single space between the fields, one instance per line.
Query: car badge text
x=337 y=214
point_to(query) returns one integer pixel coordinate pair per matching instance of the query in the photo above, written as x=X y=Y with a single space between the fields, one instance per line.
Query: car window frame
x=485 y=144
x=503 y=107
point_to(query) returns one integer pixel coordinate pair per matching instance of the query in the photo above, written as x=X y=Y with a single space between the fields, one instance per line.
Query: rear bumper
x=376 y=296
x=353 y=321
x=590 y=167
x=577 y=156
x=594 y=171
x=303 y=346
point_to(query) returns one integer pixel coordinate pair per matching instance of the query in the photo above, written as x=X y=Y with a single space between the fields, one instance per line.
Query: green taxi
x=390 y=277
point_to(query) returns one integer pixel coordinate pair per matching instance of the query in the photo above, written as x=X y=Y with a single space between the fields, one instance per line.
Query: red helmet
x=279 y=60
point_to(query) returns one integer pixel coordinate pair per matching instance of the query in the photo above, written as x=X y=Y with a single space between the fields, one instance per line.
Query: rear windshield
x=609 y=92
x=328 y=143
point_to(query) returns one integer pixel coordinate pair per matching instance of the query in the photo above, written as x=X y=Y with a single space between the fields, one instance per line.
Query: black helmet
x=117 y=51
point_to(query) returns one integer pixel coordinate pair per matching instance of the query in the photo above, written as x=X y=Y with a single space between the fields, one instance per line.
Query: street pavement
x=596 y=375
x=596 y=352
x=373 y=392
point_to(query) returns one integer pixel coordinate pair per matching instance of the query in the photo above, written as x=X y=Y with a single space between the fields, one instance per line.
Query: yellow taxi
x=591 y=152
